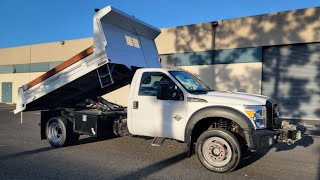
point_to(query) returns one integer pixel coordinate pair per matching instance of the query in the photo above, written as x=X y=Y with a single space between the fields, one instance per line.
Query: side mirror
x=163 y=92
x=179 y=95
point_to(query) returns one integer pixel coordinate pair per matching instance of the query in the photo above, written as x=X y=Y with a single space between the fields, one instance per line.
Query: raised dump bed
x=122 y=44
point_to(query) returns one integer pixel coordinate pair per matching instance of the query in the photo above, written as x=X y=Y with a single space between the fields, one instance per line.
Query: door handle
x=135 y=104
x=177 y=117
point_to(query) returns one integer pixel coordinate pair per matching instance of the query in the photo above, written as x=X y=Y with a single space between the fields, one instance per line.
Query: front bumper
x=265 y=139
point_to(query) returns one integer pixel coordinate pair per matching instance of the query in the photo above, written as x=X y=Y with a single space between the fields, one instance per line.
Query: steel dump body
x=121 y=45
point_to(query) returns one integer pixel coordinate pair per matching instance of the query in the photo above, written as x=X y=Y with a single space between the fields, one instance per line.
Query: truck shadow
x=304 y=142
x=144 y=172
x=26 y=153
x=90 y=139
x=84 y=140
x=247 y=159
x=250 y=157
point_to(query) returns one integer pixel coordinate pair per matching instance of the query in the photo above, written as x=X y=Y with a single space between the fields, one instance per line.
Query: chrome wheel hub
x=55 y=132
x=217 y=151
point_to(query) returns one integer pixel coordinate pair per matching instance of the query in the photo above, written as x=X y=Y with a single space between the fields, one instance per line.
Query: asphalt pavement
x=24 y=156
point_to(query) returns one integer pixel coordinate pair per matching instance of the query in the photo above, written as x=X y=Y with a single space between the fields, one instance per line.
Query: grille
x=272 y=109
x=275 y=111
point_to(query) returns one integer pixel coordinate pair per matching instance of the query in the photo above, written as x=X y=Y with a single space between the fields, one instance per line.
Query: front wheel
x=218 y=150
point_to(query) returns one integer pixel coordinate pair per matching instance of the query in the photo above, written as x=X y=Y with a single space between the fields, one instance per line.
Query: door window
x=150 y=82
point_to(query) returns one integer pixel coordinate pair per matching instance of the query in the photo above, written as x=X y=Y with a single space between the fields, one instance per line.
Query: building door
x=291 y=75
x=7 y=92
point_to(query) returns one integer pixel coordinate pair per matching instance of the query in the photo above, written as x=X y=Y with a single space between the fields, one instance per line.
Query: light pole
x=214 y=27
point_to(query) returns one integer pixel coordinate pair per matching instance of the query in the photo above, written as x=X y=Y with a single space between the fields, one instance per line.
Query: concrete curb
x=312 y=130
x=5 y=105
x=313 y=126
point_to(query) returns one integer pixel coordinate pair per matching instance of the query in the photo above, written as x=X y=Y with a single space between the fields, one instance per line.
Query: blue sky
x=36 y=21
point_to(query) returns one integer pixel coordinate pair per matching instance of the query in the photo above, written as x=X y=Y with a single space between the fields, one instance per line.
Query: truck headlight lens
x=257 y=114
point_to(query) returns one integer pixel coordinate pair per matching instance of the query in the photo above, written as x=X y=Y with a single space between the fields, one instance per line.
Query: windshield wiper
x=199 y=90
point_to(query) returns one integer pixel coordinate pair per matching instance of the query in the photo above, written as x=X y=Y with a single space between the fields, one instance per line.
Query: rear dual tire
x=218 y=150
x=59 y=132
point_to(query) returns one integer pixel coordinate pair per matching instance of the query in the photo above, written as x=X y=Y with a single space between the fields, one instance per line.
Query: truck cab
x=221 y=125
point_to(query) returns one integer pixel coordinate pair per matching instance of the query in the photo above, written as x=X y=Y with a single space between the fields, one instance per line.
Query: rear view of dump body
x=121 y=45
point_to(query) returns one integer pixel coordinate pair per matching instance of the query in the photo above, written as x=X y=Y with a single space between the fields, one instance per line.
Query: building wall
x=291 y=75
x=190 y=38
x=46 y=52
x=17 y=79
x=119 y=96
x=20 y=65
x=225 y=56
x=290 y=27
x=226 y=70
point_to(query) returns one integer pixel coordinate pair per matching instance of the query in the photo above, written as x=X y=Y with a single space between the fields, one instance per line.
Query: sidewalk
x=7 y=106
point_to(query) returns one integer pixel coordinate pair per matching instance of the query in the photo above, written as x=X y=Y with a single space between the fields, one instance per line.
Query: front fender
x=216 y=111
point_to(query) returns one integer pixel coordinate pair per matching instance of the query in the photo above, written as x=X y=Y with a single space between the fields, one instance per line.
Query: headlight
x=257 y=114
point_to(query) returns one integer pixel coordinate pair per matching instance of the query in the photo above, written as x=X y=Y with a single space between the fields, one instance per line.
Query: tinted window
x=150 y=82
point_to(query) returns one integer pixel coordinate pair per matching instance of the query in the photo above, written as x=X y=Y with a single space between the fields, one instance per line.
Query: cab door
x=154 y=117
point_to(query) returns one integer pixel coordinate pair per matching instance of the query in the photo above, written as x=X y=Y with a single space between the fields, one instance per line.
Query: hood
x=225 y=97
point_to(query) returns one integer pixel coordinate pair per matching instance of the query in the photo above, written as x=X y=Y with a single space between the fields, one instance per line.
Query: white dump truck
x=163 y=103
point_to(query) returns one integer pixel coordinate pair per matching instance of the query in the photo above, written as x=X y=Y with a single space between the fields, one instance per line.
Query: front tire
x=218 y=150
x=59 y=132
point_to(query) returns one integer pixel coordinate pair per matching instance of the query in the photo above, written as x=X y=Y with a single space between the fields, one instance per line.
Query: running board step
x=157 y=141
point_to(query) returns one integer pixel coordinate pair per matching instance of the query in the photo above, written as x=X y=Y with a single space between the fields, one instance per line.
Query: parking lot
x=24 y=156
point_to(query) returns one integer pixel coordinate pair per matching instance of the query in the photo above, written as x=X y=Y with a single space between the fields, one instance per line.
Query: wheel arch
x=216 y=111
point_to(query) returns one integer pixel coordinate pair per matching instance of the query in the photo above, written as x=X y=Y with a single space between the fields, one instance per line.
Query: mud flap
x=290 y=133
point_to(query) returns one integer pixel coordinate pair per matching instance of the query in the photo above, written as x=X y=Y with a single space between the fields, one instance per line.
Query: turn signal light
x=250 y=113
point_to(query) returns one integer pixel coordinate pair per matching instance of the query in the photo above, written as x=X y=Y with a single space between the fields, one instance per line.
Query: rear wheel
x=59 y=132
x=218 y=150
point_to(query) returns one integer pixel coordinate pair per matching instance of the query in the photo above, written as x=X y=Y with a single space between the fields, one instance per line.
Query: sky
x=24 y=22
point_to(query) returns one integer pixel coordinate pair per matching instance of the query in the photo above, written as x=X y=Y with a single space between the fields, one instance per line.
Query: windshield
x=190 y=82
